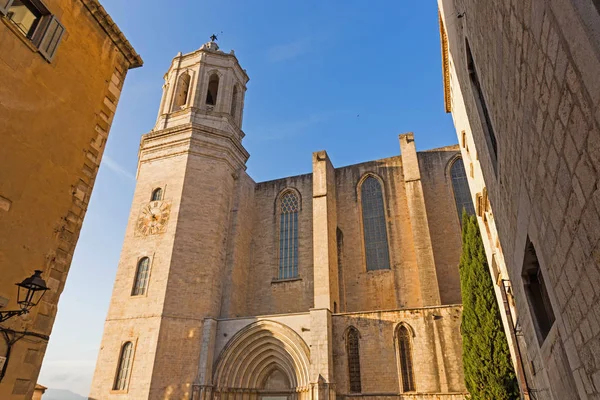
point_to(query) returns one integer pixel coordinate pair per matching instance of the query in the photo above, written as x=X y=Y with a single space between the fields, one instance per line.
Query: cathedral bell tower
x=170 y=274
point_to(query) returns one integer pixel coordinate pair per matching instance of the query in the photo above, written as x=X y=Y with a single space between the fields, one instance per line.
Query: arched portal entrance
x=264 y=361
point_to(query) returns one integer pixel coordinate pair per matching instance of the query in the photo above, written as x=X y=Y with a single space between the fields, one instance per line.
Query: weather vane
x=213 y=37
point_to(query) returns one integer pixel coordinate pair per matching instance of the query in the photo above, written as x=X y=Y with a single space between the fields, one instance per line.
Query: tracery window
x=156 y=194
x=141 y=277
x=374 y=225
x=462 y=195
x=353 y=352
x=288 y=236
x=406 y=363
x=124 y=367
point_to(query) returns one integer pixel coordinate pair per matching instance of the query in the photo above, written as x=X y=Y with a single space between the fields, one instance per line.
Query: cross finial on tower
x=213 y=37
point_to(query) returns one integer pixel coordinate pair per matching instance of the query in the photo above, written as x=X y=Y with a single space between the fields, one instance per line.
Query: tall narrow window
x=406 y=362
x=234 y=102
x=183 y=88
x=537 y=293
x=375 y=234
x=353 y=352
x=124 y=367
x=462 y=195
x=213 y=89
x=141 y=277
x=484 y=115
x=288 y=236
x=156 y=194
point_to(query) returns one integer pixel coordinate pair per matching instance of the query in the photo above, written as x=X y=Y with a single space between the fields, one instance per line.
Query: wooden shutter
x=51 y=38
x=4 y=6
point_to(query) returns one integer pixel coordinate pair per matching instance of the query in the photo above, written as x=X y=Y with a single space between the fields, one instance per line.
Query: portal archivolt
x=265 y=357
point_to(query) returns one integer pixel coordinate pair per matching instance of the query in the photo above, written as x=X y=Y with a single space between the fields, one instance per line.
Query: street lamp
x=29 y=294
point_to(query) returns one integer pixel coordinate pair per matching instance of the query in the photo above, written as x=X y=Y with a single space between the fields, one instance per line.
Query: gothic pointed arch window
x=374 y=224
x=142 y=272
x=460 y=185
x=183 y=88
x=288 y=235
x=213 y=89
x=156 y=194
x=353 y=354
x=404 y=346
x=124 y=367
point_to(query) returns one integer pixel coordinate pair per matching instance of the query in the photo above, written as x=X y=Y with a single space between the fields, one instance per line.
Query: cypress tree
x=489 y=373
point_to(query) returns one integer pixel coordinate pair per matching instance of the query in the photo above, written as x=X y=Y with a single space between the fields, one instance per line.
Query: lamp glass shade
x=31 y=291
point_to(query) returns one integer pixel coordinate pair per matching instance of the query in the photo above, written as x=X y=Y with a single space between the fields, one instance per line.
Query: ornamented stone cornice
x=113 y=31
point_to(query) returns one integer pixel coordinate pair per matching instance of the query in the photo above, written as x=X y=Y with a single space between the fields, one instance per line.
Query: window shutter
x=51 y=38
x=4 y=6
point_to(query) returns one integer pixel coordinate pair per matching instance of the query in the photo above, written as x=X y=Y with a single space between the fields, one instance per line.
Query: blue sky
x=343 y=76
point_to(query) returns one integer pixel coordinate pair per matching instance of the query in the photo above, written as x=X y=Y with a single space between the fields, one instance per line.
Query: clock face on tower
x=153 y=218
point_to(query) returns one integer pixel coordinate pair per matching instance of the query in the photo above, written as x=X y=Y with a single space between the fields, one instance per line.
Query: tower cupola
x=204 y=88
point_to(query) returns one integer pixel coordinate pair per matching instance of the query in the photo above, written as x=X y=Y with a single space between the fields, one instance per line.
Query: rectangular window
x=484 y=115
x=25 y=16
x=36 y=23
x=537 y=293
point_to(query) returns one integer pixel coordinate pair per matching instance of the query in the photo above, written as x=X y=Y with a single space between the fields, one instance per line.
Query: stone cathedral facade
x=339 y=283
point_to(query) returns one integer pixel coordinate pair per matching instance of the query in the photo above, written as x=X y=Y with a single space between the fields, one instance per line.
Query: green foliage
x=489 y=373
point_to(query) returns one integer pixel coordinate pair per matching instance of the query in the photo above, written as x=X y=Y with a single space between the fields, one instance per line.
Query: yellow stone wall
x=55 y=121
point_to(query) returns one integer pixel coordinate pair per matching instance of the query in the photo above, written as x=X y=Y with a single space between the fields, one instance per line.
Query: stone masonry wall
x=266 y=294
x=436 y=348
x=538 y=64
x=444 y=226
x=383 y=289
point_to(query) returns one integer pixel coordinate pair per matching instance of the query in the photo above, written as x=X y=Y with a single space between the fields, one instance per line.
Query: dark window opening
x=462 y=195
x=406 y=362
x=352 y=350
x=234 y=102
x=34 y=21
x=156 y=194
x=213 y=89
x=537 y=293
x=374 y=225
x=25 y=16
x=340 y=260
x=484 y=115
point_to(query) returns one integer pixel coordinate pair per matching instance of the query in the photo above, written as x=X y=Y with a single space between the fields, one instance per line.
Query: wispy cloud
x=117 y=168
x=286 y=129
x=289 y=51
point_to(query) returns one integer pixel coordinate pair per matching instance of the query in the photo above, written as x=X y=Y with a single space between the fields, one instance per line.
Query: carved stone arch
x=403 y=324
x=468 y=202
x=404 y=349
x=283 y=192
x=183 y=90
x=236 y=101
x=348 y=329
x=362 y=180
x=253 y=353
x=210 y=92
x=450 y=163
